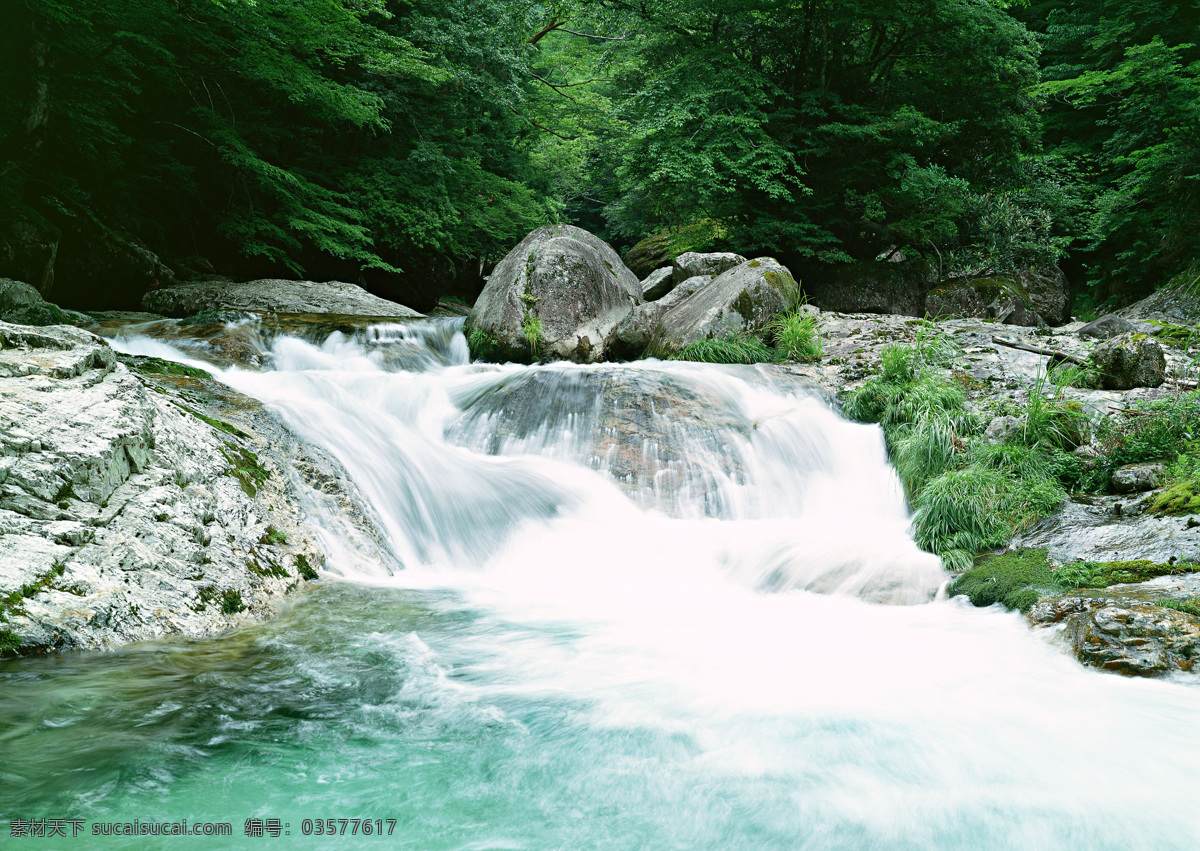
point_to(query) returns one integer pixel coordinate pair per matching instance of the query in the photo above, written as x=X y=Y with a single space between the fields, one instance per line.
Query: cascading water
x=640 y=606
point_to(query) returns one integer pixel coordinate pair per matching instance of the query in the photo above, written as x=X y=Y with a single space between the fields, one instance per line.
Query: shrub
x=796 y=337
x=734 y=349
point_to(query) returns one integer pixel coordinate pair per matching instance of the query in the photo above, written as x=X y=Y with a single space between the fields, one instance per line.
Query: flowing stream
x=656 y=605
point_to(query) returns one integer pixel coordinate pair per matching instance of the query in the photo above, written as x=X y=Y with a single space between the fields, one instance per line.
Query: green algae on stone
x=1016 y=580
x=1180 y=498
x=1101 y=574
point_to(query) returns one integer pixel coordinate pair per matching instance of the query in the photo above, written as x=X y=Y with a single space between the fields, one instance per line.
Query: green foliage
x=1150 y=431
x=1015 y=580
x=1051 y=421
x=1072 y=375
x=273 y=536
x=1101 y=574
x=10 y=642
x=531 y=328
x=231 y=602
x=966 y=511
x=733 y=349
x=245 y=467
x=483 y=346
x=1190 y=606
x=307 y=572
x=796 y=337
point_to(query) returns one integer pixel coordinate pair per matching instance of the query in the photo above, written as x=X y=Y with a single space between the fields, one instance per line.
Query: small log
x=1056 y=357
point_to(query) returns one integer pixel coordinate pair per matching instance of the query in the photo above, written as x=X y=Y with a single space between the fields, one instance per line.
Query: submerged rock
x=127 y=513
x=270 y=296
x=556 y=296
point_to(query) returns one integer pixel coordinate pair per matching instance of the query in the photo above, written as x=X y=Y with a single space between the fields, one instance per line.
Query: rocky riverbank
x=139 y=498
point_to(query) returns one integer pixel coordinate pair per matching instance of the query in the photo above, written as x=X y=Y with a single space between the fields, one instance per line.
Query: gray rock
x=1111 y=529
x=657 y=284
x=1048 y=292
x=1137 y=478
x=1001 y=428
x=1128 y=361
x=996 y=298
x=1107 y=327
x=17 y=293
x=743 y=299
x=271 y=296
x=564 y=288
x=632 y=335
x=685 y=289
x=691 y=264
x=127 y=514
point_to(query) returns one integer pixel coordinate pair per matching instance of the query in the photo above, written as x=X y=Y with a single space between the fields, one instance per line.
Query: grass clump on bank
x=796 y=337
x=968 y=496
x=743 y=348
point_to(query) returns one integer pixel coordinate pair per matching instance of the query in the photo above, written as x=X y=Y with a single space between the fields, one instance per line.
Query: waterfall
x=657 y=605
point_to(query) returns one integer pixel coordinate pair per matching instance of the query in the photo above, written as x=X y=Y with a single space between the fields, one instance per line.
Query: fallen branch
x=1055 y=356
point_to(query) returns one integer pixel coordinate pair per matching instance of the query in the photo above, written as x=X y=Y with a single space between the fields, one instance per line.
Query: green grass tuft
x=796 y=338
x=307 y=571
x=735 y=349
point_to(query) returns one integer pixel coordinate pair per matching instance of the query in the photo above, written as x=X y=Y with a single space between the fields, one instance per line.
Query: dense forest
x=407 y=144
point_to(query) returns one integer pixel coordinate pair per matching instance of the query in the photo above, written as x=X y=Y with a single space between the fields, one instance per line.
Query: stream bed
x=656 y=605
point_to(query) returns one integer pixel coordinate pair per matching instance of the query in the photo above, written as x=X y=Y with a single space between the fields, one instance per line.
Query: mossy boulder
x=741 y=301
x=556 y=296
x=661 y=248
x=1128 y=361
x=1001 y=299
x=1179 y=499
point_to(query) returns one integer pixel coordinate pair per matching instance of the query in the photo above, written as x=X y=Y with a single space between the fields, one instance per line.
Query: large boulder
x=28 y=247
x=1048 y=292
x=1128 y=361
x=557 y=296
x=270 y=296
x=1107 y=327
x=691 y=264
x=996 y=298
x=658 y=250
x=871 y=286
x=741 y=300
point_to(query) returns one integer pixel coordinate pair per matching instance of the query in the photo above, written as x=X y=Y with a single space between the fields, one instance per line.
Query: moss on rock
x=1016 y=580
x=1180 y=498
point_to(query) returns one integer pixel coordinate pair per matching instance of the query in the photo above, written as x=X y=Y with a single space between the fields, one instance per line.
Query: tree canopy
x=414 y=142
